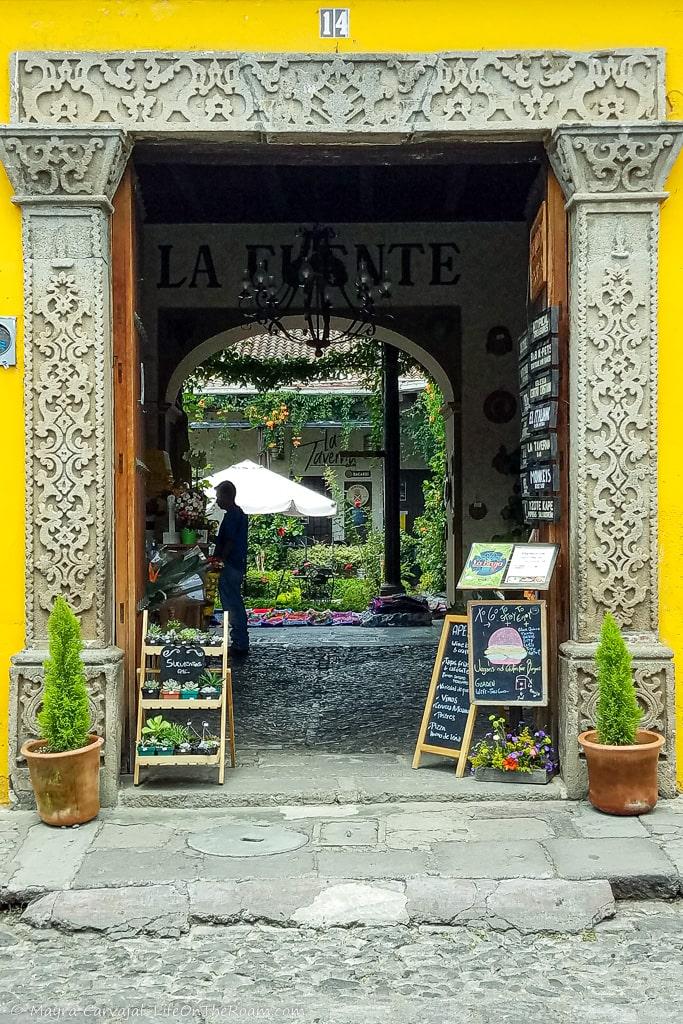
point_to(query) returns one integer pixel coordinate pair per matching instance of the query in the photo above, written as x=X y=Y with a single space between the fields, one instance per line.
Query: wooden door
x=548 y=286
x=129 y=466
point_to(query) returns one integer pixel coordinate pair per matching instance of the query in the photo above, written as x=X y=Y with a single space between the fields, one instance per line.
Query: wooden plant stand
x=149 y=666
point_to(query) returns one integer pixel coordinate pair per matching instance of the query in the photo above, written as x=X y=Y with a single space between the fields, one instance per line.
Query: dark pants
x=230 y=589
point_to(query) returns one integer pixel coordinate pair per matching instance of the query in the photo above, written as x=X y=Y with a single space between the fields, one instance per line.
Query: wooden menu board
x=508 y=659
x=448 y=717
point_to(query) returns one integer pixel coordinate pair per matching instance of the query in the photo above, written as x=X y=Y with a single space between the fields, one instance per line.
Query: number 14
x=334 y=22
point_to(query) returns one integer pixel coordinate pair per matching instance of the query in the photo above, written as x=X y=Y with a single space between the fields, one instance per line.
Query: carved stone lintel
x=104 y=674
x=654 y=679
x=338 y=94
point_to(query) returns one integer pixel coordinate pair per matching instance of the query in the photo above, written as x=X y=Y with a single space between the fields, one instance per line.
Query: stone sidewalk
x=551 y=866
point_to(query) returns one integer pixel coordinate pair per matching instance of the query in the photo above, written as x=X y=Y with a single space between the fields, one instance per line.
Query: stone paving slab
x=507 y=858
x=528 y=905
x=635 y=867
x=383 y=843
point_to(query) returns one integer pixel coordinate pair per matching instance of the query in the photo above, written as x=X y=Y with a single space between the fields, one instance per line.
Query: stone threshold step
x=167 y=910
x=271 y=789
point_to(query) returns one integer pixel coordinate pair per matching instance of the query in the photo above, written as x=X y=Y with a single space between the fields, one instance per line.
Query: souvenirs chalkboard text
x=448 y=718
x=508 y=653
x=181 y=662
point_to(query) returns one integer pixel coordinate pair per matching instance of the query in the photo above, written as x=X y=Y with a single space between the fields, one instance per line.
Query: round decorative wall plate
x=500 y=406
x=499 y=341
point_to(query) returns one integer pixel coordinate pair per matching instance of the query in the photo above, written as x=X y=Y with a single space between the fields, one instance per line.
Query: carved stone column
x=64 y=180
x=613 y=177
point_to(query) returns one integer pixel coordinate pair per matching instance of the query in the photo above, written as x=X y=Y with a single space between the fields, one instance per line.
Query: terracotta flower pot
x=623 y=780
x=66 y=785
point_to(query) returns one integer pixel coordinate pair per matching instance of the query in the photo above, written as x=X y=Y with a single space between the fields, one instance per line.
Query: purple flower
x=514 y=754
x=549 y=766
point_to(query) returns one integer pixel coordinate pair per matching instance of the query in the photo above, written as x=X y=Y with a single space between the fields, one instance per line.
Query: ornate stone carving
x=635 y=161
x=65 y=163
x=351 y=93
x=613 y=326
x=67 y=368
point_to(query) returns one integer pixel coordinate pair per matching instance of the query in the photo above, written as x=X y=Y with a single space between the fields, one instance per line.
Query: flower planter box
x=538 y=777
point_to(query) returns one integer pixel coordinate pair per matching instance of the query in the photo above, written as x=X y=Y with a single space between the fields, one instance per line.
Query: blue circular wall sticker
x=5 y=339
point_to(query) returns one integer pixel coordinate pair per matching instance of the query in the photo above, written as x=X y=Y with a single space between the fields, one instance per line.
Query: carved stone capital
x=75 y=165
x=607 y=162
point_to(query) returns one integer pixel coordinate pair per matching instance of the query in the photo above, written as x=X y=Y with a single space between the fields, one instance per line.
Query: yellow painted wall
x=375 y=25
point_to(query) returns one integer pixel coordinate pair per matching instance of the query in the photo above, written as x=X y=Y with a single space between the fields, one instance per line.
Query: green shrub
x=617 y=714
x=65 y=717
x=351 y=595
x=289 y=599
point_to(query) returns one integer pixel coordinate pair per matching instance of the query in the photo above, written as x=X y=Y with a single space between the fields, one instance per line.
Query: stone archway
x=235 y=334
x=602 y=117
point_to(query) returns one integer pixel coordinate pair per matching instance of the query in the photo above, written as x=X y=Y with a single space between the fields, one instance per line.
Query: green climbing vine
x=424 y=434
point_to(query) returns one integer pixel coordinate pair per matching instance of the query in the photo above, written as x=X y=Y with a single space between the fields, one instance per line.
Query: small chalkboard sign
x=508 y=658
x=448 y=718
x=182 y=662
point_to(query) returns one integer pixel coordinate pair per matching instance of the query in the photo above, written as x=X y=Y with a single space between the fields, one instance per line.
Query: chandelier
x=321 y=278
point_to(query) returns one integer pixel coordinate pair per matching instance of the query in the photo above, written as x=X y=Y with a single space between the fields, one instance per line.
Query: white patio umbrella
x=260 y=492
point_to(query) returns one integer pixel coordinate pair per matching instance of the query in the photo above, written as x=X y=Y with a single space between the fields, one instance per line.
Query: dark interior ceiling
x=305 y=184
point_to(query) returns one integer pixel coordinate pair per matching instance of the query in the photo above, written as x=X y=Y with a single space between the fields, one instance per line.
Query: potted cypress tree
x=64 y=764
x=621 y=758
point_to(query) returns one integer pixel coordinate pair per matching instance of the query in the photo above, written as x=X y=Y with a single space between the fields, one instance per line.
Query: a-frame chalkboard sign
x=448 y=717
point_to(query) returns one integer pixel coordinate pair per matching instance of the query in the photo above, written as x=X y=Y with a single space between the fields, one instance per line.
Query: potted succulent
x=189 y=691
x=622 y=759
x=64 y=764
x=170 y=689
x=147 y=747
x=154 y=635
x=210 y=686
x=156 y=731
x=513 y=755
x=176 y=736
x=150 y=688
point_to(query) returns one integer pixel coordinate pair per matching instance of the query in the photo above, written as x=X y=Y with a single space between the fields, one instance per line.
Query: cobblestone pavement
x=626 y=970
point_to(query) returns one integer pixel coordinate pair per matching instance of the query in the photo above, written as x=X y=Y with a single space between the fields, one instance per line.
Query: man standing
x=231 y=548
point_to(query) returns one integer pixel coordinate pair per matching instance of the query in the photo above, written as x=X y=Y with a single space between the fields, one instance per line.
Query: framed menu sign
x=508 y=658
x=448 y=718
x=531 y=566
